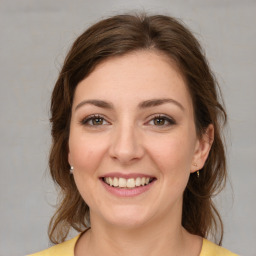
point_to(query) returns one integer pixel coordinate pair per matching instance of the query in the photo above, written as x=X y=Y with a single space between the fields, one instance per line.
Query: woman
x=137 y=148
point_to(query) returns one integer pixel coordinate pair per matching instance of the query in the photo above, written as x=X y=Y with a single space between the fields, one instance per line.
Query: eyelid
x=86 y=119
x=167 y=118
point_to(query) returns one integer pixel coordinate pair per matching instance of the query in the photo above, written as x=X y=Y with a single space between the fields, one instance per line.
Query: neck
x=156 y=238
x=139 y=241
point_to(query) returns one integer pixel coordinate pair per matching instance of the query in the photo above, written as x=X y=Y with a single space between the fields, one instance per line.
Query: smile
x=127 y=183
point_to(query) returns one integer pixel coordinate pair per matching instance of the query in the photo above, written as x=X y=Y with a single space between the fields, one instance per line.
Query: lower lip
x=127 y=192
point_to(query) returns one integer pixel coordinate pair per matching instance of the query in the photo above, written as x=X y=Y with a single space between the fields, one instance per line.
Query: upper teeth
x=127 y=183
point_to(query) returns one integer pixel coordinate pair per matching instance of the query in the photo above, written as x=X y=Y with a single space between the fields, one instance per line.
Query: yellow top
x=67 y=249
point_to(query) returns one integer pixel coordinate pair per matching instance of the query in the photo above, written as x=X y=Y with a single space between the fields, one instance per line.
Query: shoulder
x=211 y=249
x=64 y=249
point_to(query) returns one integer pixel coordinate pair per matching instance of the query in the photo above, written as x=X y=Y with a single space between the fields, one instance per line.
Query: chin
x=127 y=217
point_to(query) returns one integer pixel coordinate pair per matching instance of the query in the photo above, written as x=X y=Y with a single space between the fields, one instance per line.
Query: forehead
x=135 y=76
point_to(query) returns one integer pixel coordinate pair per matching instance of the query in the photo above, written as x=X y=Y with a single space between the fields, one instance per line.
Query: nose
x=126 y=144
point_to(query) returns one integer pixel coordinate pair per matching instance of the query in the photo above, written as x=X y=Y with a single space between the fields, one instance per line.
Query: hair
x=117 y=36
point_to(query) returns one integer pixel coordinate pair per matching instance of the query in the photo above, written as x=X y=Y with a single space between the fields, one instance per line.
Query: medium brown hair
x=117 y=36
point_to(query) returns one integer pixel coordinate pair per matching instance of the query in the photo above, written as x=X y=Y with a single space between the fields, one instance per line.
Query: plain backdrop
x=34 y=38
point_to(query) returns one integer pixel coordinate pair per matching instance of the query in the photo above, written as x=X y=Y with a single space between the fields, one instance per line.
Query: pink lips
x=126 y=176
x=127 y=192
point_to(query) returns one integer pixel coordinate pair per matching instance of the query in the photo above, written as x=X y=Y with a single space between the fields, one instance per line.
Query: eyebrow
x=97 y=103
x=158 y=102
x=144 y=104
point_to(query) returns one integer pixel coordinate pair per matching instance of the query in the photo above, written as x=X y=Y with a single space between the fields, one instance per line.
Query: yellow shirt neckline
x=67 y=248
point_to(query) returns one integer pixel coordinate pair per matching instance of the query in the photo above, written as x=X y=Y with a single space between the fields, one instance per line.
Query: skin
x=128 y=139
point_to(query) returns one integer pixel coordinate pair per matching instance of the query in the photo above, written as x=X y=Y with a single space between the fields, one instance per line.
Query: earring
x=194 y=164
x=71 y=169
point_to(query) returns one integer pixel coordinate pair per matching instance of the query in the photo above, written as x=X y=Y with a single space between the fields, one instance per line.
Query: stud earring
x=71 y=169
x=198 y=174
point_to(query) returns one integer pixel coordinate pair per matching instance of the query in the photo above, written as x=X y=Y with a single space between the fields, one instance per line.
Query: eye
x=94 y=120
x=161 y=120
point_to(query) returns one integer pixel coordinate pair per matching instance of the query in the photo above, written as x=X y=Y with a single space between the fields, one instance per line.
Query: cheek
x=172 y=153
x=85 y=152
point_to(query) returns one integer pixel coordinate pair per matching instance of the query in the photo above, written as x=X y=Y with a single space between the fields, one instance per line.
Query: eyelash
x=170 y=121
x=86 y=120
x=165 y=118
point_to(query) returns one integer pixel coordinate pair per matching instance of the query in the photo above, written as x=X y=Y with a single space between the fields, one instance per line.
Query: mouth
x=130 y=183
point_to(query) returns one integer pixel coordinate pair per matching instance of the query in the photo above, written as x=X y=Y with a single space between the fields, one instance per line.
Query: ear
x=202 y=149
x=69 y=158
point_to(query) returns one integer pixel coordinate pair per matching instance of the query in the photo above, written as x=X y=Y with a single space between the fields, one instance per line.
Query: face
x=133 y=141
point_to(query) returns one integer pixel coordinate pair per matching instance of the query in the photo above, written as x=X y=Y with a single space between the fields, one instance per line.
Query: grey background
x=34 y=38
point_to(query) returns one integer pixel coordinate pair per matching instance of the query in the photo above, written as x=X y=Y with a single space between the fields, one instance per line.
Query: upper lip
x=126 y=175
